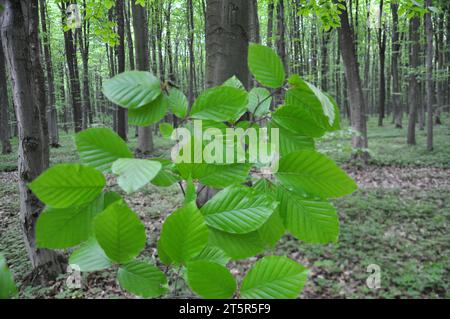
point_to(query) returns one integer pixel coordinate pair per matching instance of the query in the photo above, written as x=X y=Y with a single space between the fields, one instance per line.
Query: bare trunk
x=14 y=22
x=227 y=40
x=429 y=66
x=398 y=112
x=121 y=112
x=355 y=93
x=52 y=115
x=413 y=83
x=140 y=25
x=4 y=104
x=74 y=76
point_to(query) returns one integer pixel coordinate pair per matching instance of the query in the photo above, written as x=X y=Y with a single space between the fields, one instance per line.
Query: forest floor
x=398 y=219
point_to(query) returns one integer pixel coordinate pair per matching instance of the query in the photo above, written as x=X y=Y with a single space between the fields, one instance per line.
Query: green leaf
x=166 y=130
x=149 y=114
x=184 y=234
x=178 y=103
x=272 y=231
x=234 y=82
x=166 y=176
x=66 y=185
x=237 y=246
x=266 y=66
x=238 y=210
x=163 y=257
x=210 y=280
x=100 y=147
x=133 y=89
x=213 y=254
x=135 y=173
x=306 y=94
x=8 y=288
x=298 y=120
x=119 y=232
x=315 y=174
x=59 y=228
x=90 y=257
x=222 y=103
x=274 y=277
x=259 y=101
x=308 y=219
x=142 y=279
x=290 y=142
x=216 y=176
x=190 y=192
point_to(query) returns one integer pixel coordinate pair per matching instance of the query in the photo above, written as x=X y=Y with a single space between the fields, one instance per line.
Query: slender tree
x=354 y=88
x=121 y=112
x=413 y=93
x=140 y=26
x=429 y=67
x=16 y=40
x=4 y=104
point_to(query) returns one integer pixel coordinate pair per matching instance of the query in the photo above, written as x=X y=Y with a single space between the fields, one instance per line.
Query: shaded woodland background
x=386 y=63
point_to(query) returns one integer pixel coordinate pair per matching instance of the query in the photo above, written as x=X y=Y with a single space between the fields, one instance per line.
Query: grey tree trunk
x=140 y=25
x=398 y=111
x=382 y=56
x=413 y=93
x=14 y=22
x=191 y=81
x=270 y=9
x=227 y=37
x=429 y=66
x=121 y=112
x=354 y=88
x=52 y=116
x=73 y=76
x=39 y=78
x=5 y=135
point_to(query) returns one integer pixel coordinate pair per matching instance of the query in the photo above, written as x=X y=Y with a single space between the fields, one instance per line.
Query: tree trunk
x=52 y=115
x=191 y=81
x=413 y=94
x=127 y=15
x=398 y=112
x=227 y=39
x=74 y=76
x=15 y=21
x=140 y=26
x=4 y=104
x=270 y=9
x=429 y=66
x=382 y=56
x=39 y=78
x=121 y=112
x=355 y=93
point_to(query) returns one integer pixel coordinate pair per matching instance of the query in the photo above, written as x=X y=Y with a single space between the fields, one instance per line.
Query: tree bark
x=191 y=81
x=227 y=41
x=4 y=104
x=39 y=78
x=140 y=26
x=413 y=93
x=382 y=56
x=121 y=112
x=270 y=14
x=355 y=93
x=74 y=76
x=52 y=115
x=15 y=21
x=429 y=84
x=398 y=112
